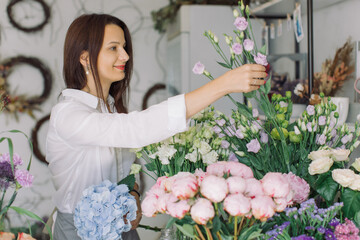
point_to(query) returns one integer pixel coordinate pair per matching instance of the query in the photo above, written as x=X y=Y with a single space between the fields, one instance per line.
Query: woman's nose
x=123 y=55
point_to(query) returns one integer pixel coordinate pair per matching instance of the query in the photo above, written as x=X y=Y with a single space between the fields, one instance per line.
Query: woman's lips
x=121 y=67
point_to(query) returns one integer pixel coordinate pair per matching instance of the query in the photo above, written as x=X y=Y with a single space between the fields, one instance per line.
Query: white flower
x=204 y=148
x=320 y=165
x=192 y=157
x=297 y=131
x=283 y=104
x=210 y=157
x=314 y=155
x=345 y=177
x=356 y=164
x=340 y=154
x=355 y=185
x=135 y=168
x=165 y=152
x=299 y=89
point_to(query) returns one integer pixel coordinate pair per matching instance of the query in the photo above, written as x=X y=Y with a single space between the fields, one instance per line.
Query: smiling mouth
x=122 y=67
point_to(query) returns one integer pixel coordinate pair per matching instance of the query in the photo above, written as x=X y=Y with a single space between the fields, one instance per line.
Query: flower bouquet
x=225 y=202
x=187 y=151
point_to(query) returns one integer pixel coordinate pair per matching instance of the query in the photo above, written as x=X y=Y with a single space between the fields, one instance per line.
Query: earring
x=87 y=69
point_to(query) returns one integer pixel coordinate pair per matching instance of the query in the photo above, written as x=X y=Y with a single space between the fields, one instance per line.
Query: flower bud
x=303 y=127
x=240 y=153
x=216 y=40
x=227 y=40
x=206 y=73
x=238 y=40
x=322 y=95
x=242 y=6
x=319 y=109
x=242 y=35
x=236 y=13
x=285 y=124
x=336 y=115
x=247 y=10
x=288 y=94
x=294 y=138
x=249 y=104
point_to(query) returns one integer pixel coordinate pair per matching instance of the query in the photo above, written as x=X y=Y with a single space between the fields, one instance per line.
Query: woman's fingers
x=257 y=82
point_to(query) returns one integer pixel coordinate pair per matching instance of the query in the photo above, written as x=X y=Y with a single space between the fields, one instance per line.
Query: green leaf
x=186 y=229
x=351 y=200
x=326 y=187
x=263 y=49
x=33 y=216
x=357 y=219
x=250 y=94
x=128 y=181
x=150 y=166
x=226 y=237
x=171 y=221
x=268 y=85
x=250 y=233
x=216 y=224
x=224 y=65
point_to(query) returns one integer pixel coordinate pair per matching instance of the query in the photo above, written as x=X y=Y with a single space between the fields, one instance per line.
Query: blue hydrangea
x=99 y=214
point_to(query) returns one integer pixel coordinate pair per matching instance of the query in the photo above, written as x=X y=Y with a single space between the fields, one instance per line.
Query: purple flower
x=248 y=45
x=24 y=178
x=322 y=139
x=237 y=48
x=4 y=185
x=16 y=159
x=308 y=126
x=322 y=120
x=302 y=237
x=6 y=172
x=241 y=23
x=264 y=138
x=239 y=134
x=230 y=131
x=220 y=122
x=253 y=146
x=198 y=68
x=334 y=222
x=217 y=129
x=232 y=157
x=329 y=235
x=310 y=109
x=261 y=59
x=321 y=230
x=225 y=144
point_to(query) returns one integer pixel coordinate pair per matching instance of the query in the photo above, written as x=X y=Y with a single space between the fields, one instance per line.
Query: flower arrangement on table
x=12 y=177
x=334 y=73
x=313 y=149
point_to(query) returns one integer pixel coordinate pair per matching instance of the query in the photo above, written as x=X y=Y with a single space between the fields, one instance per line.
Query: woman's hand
x=246 y=78
x=135 y=223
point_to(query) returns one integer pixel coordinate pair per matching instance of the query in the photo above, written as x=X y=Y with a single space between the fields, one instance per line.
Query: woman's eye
x=113 y=48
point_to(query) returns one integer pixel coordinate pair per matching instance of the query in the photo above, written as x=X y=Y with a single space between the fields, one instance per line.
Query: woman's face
x=112 y=56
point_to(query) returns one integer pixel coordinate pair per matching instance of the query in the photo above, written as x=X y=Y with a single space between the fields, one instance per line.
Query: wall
x=47 y=45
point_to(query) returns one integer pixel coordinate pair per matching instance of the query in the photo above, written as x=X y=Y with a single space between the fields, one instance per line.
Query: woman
x=90 y=127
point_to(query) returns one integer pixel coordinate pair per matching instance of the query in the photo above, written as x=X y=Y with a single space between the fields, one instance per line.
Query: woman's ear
x=84 y=58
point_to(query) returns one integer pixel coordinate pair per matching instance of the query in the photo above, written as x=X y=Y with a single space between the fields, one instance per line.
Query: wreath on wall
x=22 y=103
x=14 y=20
x=34 y=139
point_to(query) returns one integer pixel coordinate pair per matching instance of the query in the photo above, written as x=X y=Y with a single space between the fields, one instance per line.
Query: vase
x=168 y=233
x=342 y=107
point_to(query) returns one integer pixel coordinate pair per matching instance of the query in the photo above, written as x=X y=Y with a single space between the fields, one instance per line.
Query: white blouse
x=86 y=145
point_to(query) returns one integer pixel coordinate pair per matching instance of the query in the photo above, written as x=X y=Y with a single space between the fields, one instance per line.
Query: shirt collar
x=84 y=97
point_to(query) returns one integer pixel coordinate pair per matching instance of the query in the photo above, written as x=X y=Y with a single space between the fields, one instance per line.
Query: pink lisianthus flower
x=214 y=188
x=236 y=184
x=199 y=68
x=237 y=48
x=202 y=211
x=149 y=206
x=176 y=208
x=237 y=204
x=261 y=59
x=23 y=177
x=238 y=169
x=217 y=169
x=200 y=174
x=185 y=185
x=248 y=45
x=254 y=188
x=275 y=185
x=253 y=146
x=241 y=23
x=16 y=159
x=262 y=207
x=299 y=186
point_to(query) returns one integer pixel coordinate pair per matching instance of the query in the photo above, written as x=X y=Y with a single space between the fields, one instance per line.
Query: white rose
x=314 y=155
x=356 y=164
x=355 y=185
x=340 y=154
x=192 y=157
x=210 y=157
x=345 y=177
x=320 y=165
x=204 y=148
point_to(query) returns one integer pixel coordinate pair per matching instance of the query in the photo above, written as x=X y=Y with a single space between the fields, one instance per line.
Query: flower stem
x=235 y=228
x=155 y=229
x=208 y=233
x=199 y=232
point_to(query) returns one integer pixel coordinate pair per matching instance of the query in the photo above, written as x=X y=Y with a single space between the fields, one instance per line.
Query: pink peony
x=237 y=204
x=155 y=191
x=239 y=169
x=176 y=208
x=262 y=207
x=200 y=174
x=149 y=206
x=199 y=68
x=241 y=23
x=299 y=186
x=280 y=204
x=253 y=188
x=161 y=204
x=214 y=188
x=236 y=184
x=275 y=185
x=217 y=169
x=24 y=178
x=202 y=211
x=185 y=185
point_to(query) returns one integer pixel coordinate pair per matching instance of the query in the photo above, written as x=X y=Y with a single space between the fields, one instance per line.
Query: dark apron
x=64 y=229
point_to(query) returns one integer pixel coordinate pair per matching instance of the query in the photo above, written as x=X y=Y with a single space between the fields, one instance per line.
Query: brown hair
x=86 y=33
